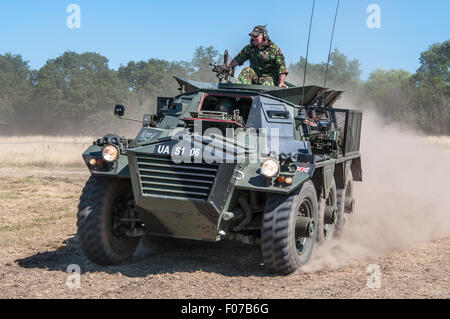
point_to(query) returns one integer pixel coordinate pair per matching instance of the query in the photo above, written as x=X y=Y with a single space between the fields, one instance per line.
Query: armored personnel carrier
x=262 y=165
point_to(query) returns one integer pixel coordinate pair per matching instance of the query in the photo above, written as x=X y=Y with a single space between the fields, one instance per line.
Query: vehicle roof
x=303 y=95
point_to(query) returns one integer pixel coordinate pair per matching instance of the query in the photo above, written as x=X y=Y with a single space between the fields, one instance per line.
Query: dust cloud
x=404 y=198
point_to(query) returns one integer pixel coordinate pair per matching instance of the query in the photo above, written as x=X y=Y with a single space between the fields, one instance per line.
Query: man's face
x=223 y=108
x=257 y=40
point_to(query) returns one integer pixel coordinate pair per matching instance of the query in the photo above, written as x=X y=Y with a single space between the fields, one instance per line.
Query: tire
x=280 y=248
x=102 y=199
x=344 y=215
x=327 y=232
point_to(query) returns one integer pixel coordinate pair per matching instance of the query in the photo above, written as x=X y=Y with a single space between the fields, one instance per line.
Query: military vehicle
x=262 y=165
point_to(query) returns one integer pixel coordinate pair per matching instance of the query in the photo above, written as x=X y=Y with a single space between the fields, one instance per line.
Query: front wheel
x=289 y=229
x=103 y=202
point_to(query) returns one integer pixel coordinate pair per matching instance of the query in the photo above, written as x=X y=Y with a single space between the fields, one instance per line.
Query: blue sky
x=171 y=29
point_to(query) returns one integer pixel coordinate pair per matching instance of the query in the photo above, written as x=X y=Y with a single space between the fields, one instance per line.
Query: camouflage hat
x=259 y=29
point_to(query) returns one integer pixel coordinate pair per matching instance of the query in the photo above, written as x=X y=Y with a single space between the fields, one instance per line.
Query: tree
x=435 y=68
x=391 y=91
x=432 y=83
x=151 y=78
x=14 y=88
x=420 y=100
x=146 y=80
x=342 y=73
x=73 y=88
x=203 y=56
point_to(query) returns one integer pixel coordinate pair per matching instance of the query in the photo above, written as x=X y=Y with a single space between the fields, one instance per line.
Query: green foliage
x=14 y=87
x=420 y=100
x=200 y=63
x=75 y=93
x=148 y=79
x=342 y=73
x=390 y=91
x=434 y=68
x=72 y=87
x=432 y=89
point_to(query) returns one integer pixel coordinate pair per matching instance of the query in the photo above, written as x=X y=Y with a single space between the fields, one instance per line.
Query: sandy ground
x=38 y=243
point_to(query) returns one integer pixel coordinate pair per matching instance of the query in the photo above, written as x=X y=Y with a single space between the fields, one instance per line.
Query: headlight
x=270 y=168
x=110 y=153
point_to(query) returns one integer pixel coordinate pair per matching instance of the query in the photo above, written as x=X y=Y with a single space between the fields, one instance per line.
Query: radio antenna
x=307 y=51
x=331 y=43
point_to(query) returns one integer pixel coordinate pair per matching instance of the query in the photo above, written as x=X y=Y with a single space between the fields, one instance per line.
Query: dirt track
x=38 y=242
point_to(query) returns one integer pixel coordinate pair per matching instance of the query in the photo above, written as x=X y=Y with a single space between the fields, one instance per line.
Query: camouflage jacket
x=267 y=62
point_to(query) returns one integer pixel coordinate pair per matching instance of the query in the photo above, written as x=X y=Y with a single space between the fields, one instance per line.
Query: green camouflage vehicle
x=261 y=165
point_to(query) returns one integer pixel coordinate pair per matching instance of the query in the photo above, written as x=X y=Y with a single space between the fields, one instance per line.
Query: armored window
x=279 y=119
x=227 y=104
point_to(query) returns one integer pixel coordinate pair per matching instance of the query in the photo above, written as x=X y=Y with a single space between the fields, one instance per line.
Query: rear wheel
x=345 y=204
x=102 y=236
x=329 y=215
x=289 y=229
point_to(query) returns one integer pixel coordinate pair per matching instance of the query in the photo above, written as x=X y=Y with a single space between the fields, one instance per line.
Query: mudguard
x=327 y=177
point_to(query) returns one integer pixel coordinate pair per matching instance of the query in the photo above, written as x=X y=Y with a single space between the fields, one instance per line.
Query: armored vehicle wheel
x=289 y=229
x=102 y=237
x=345 y=204
x=329 y=215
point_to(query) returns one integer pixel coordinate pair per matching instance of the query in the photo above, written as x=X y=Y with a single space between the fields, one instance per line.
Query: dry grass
x=29 y=200
x=31 y=206
x=43 y=151
x=440 y=140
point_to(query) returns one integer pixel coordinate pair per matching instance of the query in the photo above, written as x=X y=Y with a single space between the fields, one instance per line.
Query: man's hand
x=230 y=70
x=282 y=78
x=231 y=66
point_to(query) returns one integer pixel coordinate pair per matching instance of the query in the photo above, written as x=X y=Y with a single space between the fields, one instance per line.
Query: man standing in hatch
x=267 y=66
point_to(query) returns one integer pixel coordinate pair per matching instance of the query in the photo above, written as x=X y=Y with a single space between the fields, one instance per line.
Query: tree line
x=75 y=92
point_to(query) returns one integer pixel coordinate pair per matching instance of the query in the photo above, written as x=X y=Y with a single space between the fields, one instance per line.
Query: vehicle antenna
x=307 y=51
x=331 y=43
